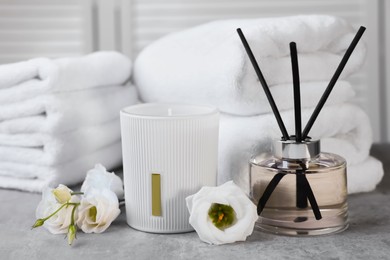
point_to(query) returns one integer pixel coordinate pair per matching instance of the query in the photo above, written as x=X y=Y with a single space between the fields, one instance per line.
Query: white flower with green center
x=97 y=210
x=222 y=214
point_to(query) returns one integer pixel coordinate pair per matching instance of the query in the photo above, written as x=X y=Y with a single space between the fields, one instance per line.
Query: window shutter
x=155 y=18
x=50 y=28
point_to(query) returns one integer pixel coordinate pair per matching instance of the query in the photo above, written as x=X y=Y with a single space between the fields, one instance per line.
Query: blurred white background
x=58 y=28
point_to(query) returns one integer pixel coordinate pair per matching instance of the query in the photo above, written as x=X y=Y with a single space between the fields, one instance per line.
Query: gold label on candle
x=156 y=194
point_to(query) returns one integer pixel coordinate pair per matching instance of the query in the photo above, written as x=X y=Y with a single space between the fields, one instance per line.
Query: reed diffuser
x=298 y=189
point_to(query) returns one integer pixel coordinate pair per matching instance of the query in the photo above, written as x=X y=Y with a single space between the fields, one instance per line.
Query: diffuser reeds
x=299 y=136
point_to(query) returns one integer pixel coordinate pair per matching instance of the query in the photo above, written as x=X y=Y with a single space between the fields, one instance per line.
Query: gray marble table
x=368 y=236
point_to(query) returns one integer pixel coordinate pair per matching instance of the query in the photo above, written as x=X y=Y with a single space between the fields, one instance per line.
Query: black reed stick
x=297 y=93
x=301 y=201
x=332 y=82
x=268 y=191
x=264 y=84
x=301 y=194
x=312 y=199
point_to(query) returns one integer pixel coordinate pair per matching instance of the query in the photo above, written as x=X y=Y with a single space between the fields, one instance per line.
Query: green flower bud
x=38 y=223
x=72 y=230
x=222 y=216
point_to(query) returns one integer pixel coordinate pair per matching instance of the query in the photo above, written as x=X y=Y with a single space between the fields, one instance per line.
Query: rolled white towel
x=61 y=112
x=311 y=93
x=258 y=104
x=23 y=80
x=53 y=149
x=364 y=176
x=208 y=64
x=343 y=129
x=32 y=177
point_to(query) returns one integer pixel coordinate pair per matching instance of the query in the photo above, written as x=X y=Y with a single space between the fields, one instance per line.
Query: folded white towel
x=61 y=112
x=208 y=63
x=343 y=129
x=52 y=149
x=364 y=176
x=16 y=73
x=23 y=80
x=31 y=177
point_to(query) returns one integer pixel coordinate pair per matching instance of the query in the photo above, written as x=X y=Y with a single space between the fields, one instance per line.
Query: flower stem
x=62 y=206
x=55 y=212
x=73 y=203
x=73 y=212
x=72 y=229
x=77 y=193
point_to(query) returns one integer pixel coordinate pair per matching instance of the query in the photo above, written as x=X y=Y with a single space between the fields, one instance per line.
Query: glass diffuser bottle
x=297 y=189
x=287 y=182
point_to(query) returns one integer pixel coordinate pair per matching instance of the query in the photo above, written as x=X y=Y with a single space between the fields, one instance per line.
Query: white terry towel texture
x=32 y=177
x=60 y=117
x=343 y=129
x=23 y=80
x=62 y=112
x=208 y=64
x=49 y=149
x=364 y=176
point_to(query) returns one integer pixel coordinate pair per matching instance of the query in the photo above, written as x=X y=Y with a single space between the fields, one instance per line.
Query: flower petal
x=227 y=194
x=99 y=178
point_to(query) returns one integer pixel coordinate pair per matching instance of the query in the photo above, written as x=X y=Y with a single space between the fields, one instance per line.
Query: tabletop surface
x=368 y=236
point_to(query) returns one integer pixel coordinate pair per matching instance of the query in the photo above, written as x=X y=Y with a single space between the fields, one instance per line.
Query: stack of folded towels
x=208 y=64
x=60 y=117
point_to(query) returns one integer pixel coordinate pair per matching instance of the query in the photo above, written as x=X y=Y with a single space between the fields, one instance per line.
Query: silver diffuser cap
x=291 y=149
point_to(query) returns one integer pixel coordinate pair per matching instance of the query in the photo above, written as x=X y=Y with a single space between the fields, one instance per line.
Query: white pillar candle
x=169 y=152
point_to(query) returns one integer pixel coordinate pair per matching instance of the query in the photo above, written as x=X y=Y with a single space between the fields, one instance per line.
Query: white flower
x=99 y=178
x=226 y=201
x=97 y=210
x=62 y=194
x=59 y=222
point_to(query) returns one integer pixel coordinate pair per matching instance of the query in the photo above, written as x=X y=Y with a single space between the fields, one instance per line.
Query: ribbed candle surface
x=178 y=142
